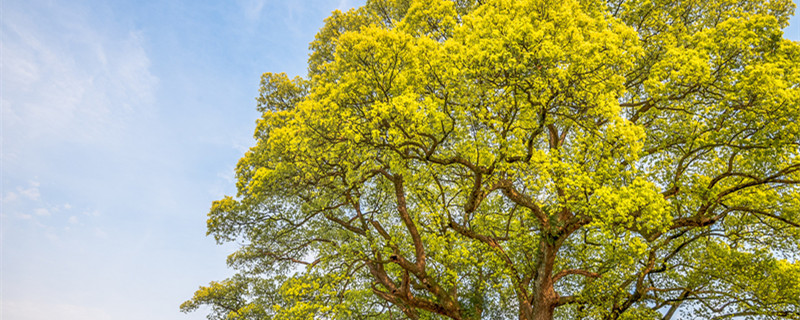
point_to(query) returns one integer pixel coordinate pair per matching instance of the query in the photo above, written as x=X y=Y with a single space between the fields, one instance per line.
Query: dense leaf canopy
x=526 y=159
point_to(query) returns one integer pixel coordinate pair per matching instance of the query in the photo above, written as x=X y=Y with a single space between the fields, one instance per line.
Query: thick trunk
x=543 y=310
x=544 y=297
x=543 y=315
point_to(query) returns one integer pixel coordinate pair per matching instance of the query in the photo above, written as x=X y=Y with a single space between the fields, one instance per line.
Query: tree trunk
x=543 y=311
x=544 y=296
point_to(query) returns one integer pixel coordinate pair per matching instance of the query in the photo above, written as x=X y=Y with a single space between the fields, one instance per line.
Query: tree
x=528 y=159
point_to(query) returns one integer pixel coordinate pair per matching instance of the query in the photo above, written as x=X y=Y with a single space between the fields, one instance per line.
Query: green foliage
x=238 y=298
x=528 y=159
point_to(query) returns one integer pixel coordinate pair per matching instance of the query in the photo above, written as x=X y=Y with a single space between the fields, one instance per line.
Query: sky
x=121 y=122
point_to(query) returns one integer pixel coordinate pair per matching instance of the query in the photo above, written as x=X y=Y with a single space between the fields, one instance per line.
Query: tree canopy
x=524 y=159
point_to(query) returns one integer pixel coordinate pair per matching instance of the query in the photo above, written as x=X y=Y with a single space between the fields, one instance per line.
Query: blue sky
x=121 y=122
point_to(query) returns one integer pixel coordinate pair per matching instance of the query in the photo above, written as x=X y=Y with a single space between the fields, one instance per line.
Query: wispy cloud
x=73 y=84
x=100 y=233
x=42 y=212
x=29 y=192
x=27 y=203
x=345 y=5
x=252 y=8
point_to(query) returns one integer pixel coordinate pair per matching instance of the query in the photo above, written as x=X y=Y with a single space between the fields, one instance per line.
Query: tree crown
x=529 y=159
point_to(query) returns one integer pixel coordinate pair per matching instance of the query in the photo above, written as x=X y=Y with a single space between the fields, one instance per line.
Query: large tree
x=524 y=159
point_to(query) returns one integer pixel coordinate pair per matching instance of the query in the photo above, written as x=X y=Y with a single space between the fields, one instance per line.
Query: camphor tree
x=526 y=159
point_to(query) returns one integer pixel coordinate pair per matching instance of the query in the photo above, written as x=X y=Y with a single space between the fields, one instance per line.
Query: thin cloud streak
x=252 y=8
x=77 y=86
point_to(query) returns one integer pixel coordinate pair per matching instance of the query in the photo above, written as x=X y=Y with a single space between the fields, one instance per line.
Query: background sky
x=121 y=122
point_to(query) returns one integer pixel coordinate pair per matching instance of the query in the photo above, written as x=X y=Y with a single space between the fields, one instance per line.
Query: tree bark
x=544 y=297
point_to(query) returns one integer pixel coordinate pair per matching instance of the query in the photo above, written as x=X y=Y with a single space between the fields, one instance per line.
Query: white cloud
x=51 y=236
x=93 y=213
x=345 y=5
x=100 y=233
x=31 y=192
x=42 y=212
x=252 y=8
x=9 y=197
x=73 y=220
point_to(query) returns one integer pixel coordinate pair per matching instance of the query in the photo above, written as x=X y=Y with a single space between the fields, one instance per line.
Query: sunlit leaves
x=519 y=159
